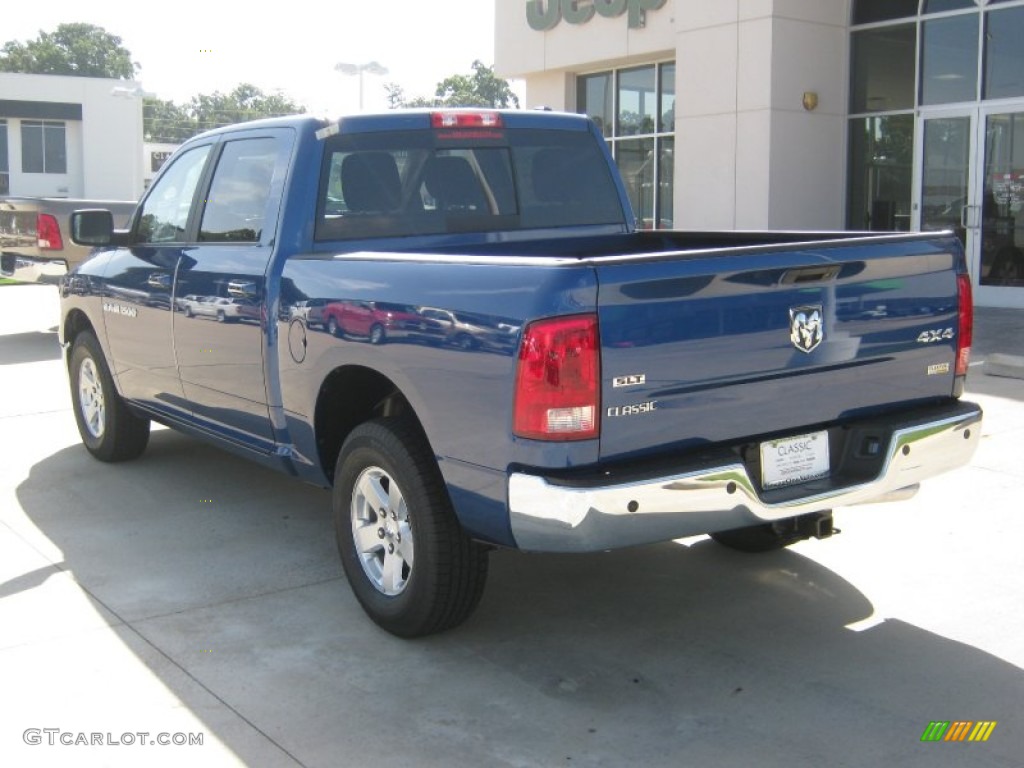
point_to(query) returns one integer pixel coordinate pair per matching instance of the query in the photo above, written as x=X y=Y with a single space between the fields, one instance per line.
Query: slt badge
x=806 y=327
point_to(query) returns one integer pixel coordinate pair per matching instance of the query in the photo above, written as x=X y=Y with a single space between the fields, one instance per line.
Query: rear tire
x=411 y=566
x=109 y=430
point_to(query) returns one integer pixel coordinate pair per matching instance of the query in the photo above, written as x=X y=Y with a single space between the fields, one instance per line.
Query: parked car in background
x=310 y=311
x=377 y=321
x=218 y=307
x=467 y=330
x=35 y=242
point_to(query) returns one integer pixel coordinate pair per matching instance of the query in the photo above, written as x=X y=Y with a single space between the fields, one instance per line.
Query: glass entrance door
x=970 y=180
x=946 y=199
x=999 y=259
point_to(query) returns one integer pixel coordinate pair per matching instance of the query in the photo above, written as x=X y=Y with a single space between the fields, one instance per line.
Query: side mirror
x=92 y=227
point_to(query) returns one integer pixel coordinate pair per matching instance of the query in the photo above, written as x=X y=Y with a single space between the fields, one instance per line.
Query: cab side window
x=237 y=202
x=164 y=216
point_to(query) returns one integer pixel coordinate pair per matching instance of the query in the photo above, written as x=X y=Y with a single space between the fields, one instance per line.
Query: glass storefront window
x=666 y=166
x=667 y=109
x=638 y=101
x=870 y=11
x=938 y=6
x=594 y=99
x=883 y=69
x=1004 y=54
x=881 y=163
x=629 y=104
x=949 y=60
x=635 y=158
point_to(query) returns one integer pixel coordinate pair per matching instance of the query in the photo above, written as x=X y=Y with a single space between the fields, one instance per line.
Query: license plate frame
x=796 y=459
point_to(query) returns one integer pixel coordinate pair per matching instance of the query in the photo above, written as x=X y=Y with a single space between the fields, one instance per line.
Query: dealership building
x=888 y=115
x=76 y=137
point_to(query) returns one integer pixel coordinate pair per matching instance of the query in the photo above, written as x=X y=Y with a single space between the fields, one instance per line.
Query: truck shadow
x=31 y=347
x=660 y=655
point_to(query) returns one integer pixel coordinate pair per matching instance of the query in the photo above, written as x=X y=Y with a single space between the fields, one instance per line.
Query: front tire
x=109 y=430
x=411 y=566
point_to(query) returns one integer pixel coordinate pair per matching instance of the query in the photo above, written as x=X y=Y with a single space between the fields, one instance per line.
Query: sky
x=187 y=47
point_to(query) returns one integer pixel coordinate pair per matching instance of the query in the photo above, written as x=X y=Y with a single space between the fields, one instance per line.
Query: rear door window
x=236 y=205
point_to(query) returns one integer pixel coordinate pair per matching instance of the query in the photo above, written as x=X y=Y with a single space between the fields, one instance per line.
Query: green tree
x=482 y=88
x=170 y=122
x=83 y=50
x=165 y=121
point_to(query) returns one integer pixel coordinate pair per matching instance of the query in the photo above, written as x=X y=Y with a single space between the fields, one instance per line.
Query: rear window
x=404 y=183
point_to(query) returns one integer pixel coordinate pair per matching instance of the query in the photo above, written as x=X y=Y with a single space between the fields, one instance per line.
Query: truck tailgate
x=718 y=346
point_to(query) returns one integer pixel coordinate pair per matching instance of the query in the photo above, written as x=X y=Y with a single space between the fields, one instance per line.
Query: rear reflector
x=48 y=233
x=965 y=331
x=465 y=120
x=558 y=380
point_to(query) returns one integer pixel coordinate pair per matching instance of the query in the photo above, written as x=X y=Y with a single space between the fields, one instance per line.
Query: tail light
x=965 y=331
x=558 y=378
x=48 y=233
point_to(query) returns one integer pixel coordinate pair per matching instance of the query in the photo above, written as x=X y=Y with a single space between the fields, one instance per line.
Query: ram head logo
x=806 y=327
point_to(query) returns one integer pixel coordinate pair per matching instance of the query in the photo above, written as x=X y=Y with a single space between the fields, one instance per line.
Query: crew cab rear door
x=220 y=351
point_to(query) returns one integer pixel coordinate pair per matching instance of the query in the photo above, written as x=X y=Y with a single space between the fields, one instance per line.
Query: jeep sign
x=543 y=15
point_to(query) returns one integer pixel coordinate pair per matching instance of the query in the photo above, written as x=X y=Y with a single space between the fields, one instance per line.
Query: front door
x=138 y=302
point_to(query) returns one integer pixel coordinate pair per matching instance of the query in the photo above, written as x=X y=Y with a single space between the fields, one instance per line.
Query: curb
x=1010 y=366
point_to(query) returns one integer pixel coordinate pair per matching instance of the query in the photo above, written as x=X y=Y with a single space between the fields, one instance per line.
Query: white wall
x=744 y=66
x=104 y=148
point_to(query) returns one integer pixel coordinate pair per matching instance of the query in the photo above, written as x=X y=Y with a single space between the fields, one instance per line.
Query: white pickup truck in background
x=35 y=243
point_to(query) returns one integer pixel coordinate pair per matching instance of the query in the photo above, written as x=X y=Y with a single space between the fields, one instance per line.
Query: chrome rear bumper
x=553 y=516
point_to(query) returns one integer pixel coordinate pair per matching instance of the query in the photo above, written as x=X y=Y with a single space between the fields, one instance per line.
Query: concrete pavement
x=191 y=592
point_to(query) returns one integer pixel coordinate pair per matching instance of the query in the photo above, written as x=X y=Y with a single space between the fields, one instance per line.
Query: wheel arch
x=349 y=396
x=75 y=323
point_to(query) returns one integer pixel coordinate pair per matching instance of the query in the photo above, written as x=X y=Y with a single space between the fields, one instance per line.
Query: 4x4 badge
x=806 y=327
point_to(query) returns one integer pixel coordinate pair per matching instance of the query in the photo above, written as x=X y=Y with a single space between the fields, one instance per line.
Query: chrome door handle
x=159 y=280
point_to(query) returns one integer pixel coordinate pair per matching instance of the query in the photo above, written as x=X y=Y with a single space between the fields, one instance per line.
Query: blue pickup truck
x=452 y=319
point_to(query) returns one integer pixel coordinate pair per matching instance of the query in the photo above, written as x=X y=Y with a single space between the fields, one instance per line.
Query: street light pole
x=373 y=67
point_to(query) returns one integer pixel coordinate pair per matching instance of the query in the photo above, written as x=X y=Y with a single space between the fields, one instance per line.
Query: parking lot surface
x=192 y=594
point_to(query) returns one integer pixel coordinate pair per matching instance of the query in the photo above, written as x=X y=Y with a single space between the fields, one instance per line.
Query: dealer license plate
x=794 y=459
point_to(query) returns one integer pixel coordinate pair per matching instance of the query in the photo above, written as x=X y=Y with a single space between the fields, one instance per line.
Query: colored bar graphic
x=983 y=730
x=959 y=730
x=935 y=731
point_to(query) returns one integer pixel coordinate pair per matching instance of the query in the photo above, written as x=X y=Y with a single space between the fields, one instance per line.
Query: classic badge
x=806 y=327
